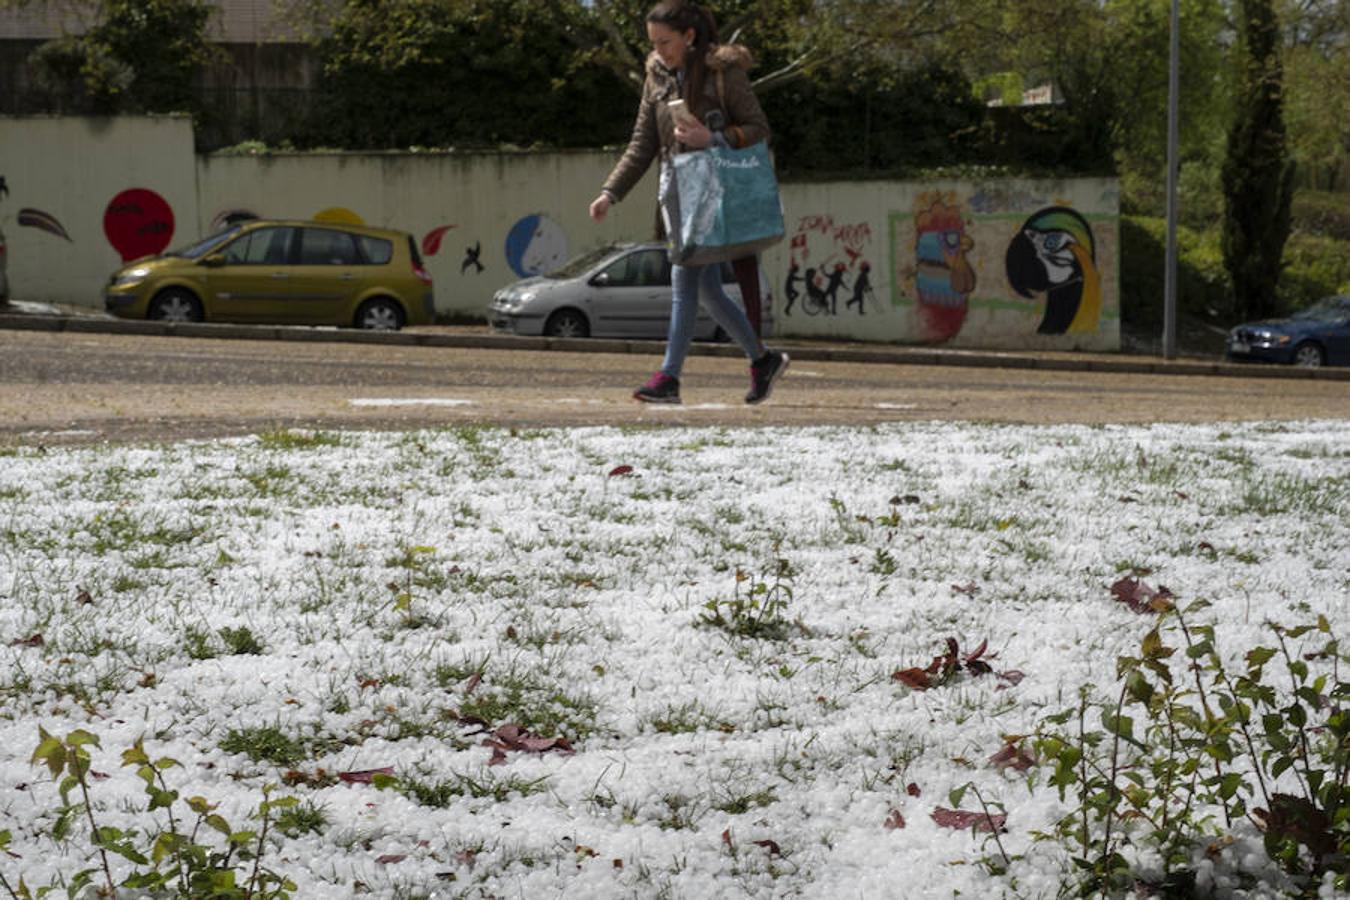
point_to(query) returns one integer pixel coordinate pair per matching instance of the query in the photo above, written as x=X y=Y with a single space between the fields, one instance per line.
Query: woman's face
x=671 y=46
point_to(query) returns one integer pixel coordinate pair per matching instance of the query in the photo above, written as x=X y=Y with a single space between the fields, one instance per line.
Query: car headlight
x=131 y=276
x=514 y=301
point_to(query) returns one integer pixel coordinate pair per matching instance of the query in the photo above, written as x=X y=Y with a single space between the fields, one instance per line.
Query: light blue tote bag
x=720 y=204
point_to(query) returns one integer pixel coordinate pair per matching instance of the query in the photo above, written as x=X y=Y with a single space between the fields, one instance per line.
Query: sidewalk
x=26 y=316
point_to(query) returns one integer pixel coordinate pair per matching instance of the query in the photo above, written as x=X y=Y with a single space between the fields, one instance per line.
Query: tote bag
x=720 y=204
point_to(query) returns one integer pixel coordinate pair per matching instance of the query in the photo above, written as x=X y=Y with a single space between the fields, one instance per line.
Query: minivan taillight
x=418 y=270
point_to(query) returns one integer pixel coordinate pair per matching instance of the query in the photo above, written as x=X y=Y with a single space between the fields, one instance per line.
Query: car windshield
x=1332 y=309
x=582 y=264
x=205 y=245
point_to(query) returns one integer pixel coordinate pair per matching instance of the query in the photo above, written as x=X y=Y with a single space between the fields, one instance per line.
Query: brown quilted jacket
x=654 y=130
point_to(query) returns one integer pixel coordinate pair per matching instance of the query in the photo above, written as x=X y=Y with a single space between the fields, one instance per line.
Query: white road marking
x=414 y=401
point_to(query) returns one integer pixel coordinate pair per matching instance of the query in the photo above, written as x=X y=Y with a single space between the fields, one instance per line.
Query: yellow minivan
x=281 y=272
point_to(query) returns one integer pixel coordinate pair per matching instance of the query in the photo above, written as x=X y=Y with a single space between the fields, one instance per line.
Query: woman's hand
x=600 y=208
x=696 y=136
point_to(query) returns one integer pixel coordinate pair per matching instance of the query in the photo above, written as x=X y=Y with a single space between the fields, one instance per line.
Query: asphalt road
x=80 y=388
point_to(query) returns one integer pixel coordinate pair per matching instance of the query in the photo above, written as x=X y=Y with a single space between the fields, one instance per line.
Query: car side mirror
x=601 y=280
x=214 y=261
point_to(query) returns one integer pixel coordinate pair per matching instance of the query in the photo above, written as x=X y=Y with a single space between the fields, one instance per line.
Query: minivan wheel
x=175 y=305
x=567 y=323
x=380 y=314
x=1309 y=356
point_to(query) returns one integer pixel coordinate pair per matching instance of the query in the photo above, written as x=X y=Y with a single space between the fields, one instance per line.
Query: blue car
x=1316 y=336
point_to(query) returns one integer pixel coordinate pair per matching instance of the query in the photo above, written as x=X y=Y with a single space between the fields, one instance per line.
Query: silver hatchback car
x=619 y=290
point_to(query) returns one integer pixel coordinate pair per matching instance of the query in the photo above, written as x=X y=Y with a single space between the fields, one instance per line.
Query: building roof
x=235 y=22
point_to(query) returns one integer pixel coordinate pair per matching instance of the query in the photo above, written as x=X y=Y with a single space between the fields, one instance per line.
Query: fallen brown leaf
x=961 y=819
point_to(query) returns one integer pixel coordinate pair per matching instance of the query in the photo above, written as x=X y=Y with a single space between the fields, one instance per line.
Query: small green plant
x=1211 y=749
x=267 y=742
x=241 y=642
x=442 y=793
x=181 y=859
x=757 y=605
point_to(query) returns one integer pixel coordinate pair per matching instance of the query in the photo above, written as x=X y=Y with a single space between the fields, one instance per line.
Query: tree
x=468 y=73
x=1316 y=86
x=1258 y=176
x=137 y=56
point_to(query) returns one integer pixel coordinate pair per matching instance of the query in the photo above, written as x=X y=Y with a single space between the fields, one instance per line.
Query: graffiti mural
x=827 y=260
x=943 y=276
x=339 y=215
x=536 y=245
x=471 y=255
x=138 y=222
x=431 y=241
x=1054 y=254
x=231 y=216
x=36 y=218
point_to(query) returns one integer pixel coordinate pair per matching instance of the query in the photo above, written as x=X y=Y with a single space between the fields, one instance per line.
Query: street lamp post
x=1173 y=102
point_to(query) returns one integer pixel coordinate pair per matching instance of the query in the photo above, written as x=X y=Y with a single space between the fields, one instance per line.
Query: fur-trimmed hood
x=727 y=90
x=721 y=57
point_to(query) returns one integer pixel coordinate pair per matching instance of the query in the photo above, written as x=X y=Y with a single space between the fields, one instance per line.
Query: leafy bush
x=1210 y=748
x=1315 y=266
x=179 y=859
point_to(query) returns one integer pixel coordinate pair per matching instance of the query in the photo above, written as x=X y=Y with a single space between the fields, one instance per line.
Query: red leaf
x=771 y=846
x=364 y=776
x=894 y=820
x=914 y=678
x=726 y=838
x=390 y=858
x=961 y=819
x=1013 y=677
x=620 y=470
x=1012 y=757
x=431 y=242
x=473 y=681
x=33 y=640
x=979 y=651
x=913 y=789
x=970 y=589
x=1141 y=597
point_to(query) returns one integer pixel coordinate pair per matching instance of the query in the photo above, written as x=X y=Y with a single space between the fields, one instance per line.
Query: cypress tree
x=1258 y=176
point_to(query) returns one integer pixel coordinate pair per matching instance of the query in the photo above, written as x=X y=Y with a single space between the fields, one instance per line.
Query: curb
x=800 y=350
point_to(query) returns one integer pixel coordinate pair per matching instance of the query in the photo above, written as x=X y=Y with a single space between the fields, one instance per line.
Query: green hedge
x=1315 y=266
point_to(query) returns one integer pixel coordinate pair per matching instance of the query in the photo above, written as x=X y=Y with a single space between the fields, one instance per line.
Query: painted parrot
x=1054 y=253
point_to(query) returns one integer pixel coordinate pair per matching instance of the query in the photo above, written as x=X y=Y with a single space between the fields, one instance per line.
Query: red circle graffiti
x=138 y=222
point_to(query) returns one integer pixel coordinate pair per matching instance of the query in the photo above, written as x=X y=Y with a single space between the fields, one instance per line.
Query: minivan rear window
x=376 y=251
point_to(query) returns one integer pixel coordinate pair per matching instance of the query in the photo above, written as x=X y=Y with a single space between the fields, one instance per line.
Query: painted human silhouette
x=836 y=281
x=862 y=288
x=815 y=297
x=793 y=280
x=471 y=258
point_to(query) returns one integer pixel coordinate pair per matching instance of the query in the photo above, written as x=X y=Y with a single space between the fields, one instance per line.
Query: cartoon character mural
x=1054 y=254
x=536 y=245
x=826 y=259
x=943 y=277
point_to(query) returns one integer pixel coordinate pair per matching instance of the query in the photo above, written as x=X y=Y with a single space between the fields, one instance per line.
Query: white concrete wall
x=935 y=255
x=70 y=169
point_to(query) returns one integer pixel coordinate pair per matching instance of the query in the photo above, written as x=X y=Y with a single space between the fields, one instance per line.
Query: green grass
x=266 y=743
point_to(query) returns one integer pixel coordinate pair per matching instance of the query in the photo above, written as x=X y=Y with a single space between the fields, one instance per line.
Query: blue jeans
x=690 y=285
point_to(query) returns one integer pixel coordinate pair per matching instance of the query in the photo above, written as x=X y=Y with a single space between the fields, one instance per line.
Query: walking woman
x=688 y=64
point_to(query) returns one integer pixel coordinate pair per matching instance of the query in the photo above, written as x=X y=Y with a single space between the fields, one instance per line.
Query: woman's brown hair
x=681 y=16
